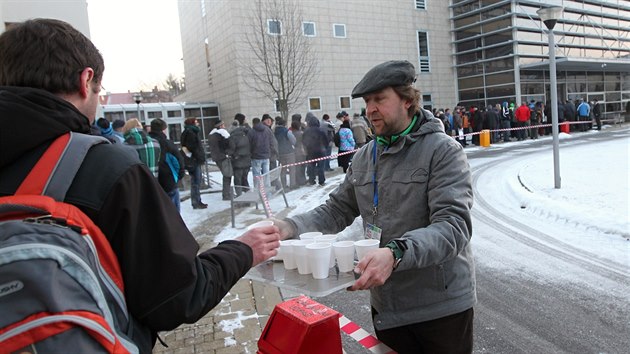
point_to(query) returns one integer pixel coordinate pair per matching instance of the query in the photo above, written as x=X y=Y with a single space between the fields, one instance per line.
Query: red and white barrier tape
x=363 y=337
x=523 y=127
x=261 y=184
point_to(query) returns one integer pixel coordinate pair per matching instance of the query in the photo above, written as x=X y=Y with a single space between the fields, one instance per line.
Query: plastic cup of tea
x=364 y=246
x=332 y=238
x=310 y=235
x=344 y=253
x=287 y=254
x=262 y=223
x=318 y=257
x=299 y=253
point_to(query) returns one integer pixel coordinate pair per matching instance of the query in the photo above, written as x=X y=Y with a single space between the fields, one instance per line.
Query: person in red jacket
x=522 y=117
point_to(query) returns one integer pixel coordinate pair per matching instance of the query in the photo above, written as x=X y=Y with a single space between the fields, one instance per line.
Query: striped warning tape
x=261 y=185
x=363 y=337
x=522 y=128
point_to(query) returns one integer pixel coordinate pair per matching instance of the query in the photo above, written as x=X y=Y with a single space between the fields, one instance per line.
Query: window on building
x=192 y=112
x=274 y=27
x=210 y=111
x=173 y=114
x=339 y=30
x=154 y=115
x=421 y=4
x=345 y=102
x=314 y=104
x=423 y=52
x=427 y=102
x=175 y=132
x=278 y=105
x=308 y=29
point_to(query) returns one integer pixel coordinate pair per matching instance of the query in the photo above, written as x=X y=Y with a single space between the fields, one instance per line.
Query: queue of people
x=528 y=117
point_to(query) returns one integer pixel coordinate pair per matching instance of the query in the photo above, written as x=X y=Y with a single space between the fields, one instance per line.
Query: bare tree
x=278 y=65
x=174 y=85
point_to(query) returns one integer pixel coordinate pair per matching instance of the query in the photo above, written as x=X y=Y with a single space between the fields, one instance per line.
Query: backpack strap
x=53 y=174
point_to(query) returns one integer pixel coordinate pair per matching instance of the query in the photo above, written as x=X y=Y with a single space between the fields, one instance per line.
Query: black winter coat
x=165 y=174
x=314 y=140
x=192 y=141
x=166 y=282
x=239 y=145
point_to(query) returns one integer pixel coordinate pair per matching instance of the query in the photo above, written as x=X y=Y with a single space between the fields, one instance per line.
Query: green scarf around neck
x=389 y=140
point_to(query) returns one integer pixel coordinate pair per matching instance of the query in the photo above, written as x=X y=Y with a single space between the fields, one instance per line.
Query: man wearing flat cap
x=412 y=188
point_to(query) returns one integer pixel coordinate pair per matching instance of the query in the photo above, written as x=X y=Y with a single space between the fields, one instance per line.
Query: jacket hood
x=259 y=127
x=31 y=117
x=426 y=124
x=311 y=120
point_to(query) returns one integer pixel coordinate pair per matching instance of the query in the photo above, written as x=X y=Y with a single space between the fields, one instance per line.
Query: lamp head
x=550 y=15
x=137 y=98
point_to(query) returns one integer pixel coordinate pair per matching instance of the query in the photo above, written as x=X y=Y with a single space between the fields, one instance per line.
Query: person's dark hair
x=190 y=121
x=296 y=125
x=158 y=125
x=255 y=121
x=265 y=116
x=102 y=123
x=240 y=117
x=296 y=117
x=280 y=121
x=326 y=117
x=411 y=94
x=47 y=54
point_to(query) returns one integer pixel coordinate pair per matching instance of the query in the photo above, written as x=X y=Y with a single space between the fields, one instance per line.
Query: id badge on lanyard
x=372 y=231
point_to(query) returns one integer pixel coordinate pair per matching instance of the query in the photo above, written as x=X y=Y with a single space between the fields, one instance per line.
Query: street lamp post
x=137 y=97
x=550 y=16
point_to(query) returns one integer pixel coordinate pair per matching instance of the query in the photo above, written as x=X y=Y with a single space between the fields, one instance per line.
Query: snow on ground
x=594 y=194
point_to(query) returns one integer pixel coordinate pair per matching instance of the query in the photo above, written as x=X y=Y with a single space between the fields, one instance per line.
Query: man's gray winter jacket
x=424 y=198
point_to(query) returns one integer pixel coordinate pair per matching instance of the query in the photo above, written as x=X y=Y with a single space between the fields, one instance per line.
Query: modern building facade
x=501 y=51
x=173 y=113
x=467 y=52
x=347 y=39
x=72 y=11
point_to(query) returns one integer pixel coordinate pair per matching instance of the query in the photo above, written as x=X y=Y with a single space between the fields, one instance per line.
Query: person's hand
x=286 y=228
x=264 y=242
x=375 y=268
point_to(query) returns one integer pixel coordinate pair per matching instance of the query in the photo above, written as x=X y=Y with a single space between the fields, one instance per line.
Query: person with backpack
x=166 y=282
x=171 y=166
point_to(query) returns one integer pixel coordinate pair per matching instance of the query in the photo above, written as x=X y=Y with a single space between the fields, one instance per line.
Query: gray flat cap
x=389 y=73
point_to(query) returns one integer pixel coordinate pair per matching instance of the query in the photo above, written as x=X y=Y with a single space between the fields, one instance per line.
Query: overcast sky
x=139 y=40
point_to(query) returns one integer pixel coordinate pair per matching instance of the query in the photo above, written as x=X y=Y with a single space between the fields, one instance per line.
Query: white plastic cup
x=364 y=246
x=262 y=223
x=310 y=235
x=299 y=254
x=288 y=256
x=318 y=256
x=332 y=238
x=344 y=252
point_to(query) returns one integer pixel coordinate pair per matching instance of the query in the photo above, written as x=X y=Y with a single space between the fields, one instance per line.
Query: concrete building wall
x=72 y=11
x=375 y=32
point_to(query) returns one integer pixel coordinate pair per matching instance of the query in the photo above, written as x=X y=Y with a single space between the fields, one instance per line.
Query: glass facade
x=502 y=51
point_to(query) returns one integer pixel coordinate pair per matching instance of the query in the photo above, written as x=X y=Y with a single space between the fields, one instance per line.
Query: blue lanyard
x=374 y=183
